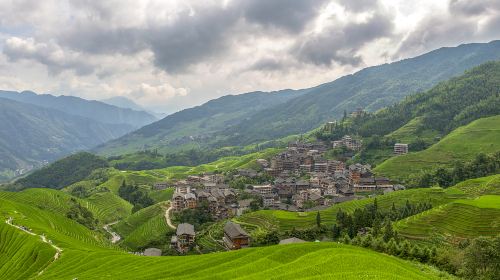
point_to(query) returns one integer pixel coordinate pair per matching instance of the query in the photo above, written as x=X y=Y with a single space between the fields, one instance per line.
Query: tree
x=388 y=231
x=318 y=219
x=482 y=259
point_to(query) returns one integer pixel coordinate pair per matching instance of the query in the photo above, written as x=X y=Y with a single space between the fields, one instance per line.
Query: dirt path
x=167 y=217
x=42 y=237
x=115 y=237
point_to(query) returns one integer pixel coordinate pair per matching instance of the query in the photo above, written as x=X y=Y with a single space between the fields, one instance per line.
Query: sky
x=171 y=55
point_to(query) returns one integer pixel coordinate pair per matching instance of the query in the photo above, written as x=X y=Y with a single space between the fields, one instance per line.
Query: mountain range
x=36 y=129
x=90 y=109
x=254 y=117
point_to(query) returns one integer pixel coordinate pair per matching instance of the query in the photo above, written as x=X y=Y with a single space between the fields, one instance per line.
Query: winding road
x=43 y=237
x=167 y=217
x=115 y=237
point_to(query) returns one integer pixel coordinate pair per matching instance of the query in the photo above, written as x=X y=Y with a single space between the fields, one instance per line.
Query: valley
x=397 y=181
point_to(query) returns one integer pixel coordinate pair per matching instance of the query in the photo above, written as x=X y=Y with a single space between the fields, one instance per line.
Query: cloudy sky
x=169 y=55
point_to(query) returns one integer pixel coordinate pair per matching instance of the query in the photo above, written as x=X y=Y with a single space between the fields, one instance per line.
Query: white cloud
x=169 y=55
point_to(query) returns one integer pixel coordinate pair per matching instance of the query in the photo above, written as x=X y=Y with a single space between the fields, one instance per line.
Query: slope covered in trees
x=64 y=172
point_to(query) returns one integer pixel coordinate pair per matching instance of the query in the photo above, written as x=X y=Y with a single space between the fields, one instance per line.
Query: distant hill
x=63 y=172
x=90 y=109
x=255 y=117
x=198 y=126
x=30 y=135
x=122 y=102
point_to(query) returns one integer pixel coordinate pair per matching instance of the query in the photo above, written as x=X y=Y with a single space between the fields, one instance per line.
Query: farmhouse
x=235 y=237
x=400 y=149
x=183 y=238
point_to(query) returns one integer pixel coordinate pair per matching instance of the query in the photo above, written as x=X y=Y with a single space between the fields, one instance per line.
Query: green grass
x=146 y=226
x=296 y=261
x=464 y=143
x=480 y=186
x=476 y=214
x=266 y=220
x=108 y=207
x=22 y=255
x=413 y=130
x=455 y=221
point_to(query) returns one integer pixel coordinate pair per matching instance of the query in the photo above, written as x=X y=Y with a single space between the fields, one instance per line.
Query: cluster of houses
x=330 y=181
x=220 y=199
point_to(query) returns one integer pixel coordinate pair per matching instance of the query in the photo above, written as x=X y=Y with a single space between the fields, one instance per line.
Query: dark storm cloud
x=471 y=8
x=340 y=44
x=289 y=15
x=358 y=5
x=189 y=39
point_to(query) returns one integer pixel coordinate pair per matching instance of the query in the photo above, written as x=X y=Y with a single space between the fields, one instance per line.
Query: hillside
x=90 y=109
x=198 y=126
x=480 y=136
x=460 y=219
x=372 y=88
x=63 y=172
x=31 y=135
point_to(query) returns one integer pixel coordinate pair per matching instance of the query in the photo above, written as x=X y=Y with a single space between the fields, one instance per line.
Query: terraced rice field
x=143 y=227
x=108 y=207
x=266 y=220
x=454 y=221
x=61 y=230
x=22 y=255
x=480 y=186
x=297 y=261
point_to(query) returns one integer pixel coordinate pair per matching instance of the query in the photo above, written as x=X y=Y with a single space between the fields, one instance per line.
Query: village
x=299 y=179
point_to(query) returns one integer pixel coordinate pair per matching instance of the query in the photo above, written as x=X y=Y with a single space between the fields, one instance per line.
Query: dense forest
x=63 y=172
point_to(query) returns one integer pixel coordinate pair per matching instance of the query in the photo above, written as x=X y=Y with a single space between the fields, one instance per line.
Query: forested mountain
x=450 y=104
x=240 y=120
x=423 y=119
x=63 y=172
x=199 y=125
x=372 y=88
x=90 y=109
x=30 y=135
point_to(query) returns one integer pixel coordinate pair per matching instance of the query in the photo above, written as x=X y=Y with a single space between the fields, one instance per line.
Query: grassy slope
x=22 y=255
x=463 y=218
x=462 y=144
x=143 y=227
x=297 y=261
x=413 y=131
x=265 y=220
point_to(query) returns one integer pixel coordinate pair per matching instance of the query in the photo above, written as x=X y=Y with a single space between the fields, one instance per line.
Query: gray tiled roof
x=234 y=230
x=185 y=228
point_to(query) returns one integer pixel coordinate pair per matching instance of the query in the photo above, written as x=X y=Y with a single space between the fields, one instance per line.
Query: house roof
x=189 y=196
x=234 y=230
x=291 y=241
x=178 y=195
x=185 y=228
x=152 y=252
